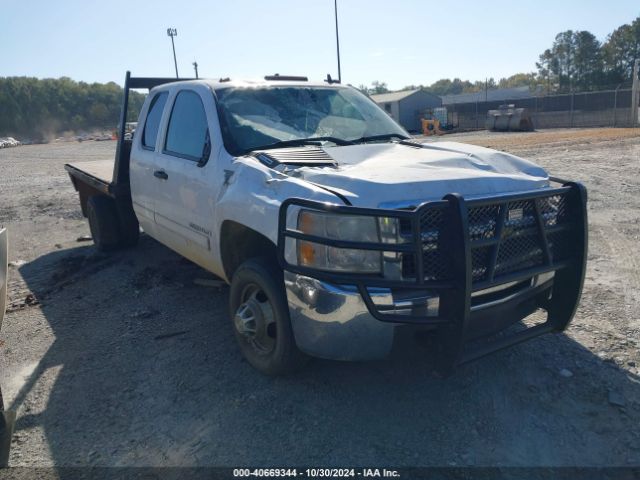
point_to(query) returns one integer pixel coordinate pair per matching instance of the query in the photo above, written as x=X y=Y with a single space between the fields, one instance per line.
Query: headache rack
x=456 y=247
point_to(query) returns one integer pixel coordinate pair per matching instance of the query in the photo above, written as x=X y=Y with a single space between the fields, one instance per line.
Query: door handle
x=160 y=174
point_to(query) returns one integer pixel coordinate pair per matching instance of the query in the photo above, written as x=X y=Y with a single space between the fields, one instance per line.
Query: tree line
x=576 y=61
x=40 y=108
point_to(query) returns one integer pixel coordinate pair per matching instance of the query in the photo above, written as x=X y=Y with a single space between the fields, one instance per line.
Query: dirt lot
x=122 y=360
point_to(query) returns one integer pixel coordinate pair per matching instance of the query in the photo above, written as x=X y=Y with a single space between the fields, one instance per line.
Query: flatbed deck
x=97 y=173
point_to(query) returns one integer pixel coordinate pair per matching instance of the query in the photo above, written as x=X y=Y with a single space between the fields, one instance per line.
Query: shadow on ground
x=149 y=374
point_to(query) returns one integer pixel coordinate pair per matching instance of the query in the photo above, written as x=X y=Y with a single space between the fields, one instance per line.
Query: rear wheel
x=260 y=315
x=103 y=222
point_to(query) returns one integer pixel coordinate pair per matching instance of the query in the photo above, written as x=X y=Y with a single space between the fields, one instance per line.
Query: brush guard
x=458 y=247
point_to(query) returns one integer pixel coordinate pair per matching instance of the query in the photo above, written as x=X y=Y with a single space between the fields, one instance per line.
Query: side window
x=187 y=133
x=152 y=124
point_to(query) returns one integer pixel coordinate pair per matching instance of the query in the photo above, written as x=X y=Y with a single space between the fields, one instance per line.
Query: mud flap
x=7 y=419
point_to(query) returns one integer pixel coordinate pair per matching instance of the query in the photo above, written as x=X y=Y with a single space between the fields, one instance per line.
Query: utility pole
x=172 y=32
x=335 y=8
x=195 y=67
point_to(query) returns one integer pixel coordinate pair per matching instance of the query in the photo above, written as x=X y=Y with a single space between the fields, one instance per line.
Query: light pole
x=335 y=8
x=172 y=32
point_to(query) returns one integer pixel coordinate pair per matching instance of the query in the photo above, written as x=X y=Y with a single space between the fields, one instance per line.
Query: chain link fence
x=608 y=108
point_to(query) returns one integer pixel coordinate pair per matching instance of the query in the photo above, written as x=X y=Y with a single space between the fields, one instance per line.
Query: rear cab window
x=188 y=133
x=152 y=123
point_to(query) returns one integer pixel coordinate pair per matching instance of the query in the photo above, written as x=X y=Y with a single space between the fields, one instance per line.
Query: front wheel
x=260 y=315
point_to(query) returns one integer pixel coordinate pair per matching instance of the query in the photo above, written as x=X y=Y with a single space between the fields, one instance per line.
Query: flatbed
x=97 y=173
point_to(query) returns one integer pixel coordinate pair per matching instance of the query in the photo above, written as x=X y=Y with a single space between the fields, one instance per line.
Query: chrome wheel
x=254 y=320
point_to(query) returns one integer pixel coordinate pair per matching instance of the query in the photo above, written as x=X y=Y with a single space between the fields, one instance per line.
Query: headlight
x=338 y=227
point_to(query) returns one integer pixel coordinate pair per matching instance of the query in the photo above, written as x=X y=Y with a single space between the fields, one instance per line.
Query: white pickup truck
x=337 y=232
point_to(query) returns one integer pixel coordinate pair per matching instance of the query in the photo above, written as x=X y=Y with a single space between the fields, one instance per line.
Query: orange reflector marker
x=306 y=253
x=305 y=222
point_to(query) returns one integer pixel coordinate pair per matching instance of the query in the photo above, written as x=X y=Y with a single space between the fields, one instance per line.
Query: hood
x=395 y=175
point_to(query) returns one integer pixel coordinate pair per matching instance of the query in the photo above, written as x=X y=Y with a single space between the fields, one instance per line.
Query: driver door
x=184 y=193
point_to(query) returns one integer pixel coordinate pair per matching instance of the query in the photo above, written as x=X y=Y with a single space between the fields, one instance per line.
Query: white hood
x=393 y=175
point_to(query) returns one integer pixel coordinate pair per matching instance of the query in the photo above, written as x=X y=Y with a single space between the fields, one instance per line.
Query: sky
x=399 y=42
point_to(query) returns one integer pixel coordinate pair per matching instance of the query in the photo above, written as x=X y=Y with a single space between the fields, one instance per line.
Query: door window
x=187 y=133
x=152 y=123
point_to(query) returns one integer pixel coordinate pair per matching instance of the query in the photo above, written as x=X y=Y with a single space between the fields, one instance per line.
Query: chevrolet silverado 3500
x=336 y=230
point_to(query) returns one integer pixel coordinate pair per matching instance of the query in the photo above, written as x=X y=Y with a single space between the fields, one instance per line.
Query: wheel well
x=239 y=243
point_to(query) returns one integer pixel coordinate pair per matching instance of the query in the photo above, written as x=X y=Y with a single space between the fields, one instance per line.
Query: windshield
x=255 y=118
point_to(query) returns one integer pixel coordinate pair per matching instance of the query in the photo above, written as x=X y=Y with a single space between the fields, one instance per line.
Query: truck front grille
x=504 y=237
x=435 y=263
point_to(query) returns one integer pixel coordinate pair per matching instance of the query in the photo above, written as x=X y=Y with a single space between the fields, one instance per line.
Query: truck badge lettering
x=516 y=214
x=200 y=229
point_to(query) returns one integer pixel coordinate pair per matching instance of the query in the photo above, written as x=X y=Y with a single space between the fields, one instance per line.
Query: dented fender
x=252 y=195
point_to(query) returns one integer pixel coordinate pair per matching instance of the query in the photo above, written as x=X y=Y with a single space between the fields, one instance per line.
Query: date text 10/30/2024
x=316 y=472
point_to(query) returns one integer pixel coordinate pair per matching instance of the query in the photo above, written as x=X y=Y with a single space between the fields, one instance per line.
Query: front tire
x=260 y=317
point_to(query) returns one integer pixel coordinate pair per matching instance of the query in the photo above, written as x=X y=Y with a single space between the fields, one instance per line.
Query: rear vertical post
x=120 y=171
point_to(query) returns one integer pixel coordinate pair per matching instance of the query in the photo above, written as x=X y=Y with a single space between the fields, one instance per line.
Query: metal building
x=407 y=107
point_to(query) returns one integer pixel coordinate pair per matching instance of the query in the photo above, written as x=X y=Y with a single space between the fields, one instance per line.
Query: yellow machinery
x=431 y=127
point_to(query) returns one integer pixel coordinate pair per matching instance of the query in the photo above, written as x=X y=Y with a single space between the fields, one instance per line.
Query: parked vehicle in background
x=129 y=130
x=6 y=142
x=338 y=233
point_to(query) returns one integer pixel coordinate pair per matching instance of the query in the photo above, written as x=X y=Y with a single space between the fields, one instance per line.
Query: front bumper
x=486 y=263
x=333 y=321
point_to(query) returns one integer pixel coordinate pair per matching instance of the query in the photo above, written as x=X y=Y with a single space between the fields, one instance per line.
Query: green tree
x=445 y=86
x=375 y=88
x=530 y=80
x=40 y=108
x=587 y=61
x=99 y=114
x=572 y=62
x=378 y=87
x=620 y=51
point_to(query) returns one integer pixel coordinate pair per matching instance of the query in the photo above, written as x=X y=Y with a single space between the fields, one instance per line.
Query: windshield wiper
x=298 y=142
x=385 y=136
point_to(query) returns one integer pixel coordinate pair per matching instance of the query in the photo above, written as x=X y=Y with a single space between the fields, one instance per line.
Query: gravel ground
x=122 y=360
